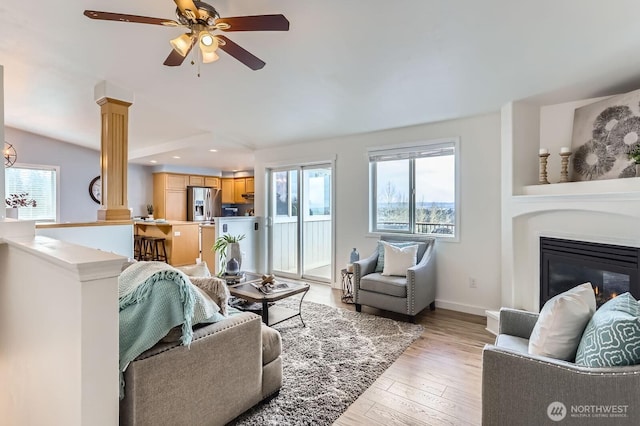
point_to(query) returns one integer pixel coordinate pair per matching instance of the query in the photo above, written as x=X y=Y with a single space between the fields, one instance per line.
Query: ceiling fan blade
x=176 y=59
x=187 y=5
x=241 y=54
x=109 y=16
x=255 y=23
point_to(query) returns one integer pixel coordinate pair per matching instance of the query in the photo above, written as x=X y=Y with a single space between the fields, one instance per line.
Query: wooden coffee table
x=272 y=314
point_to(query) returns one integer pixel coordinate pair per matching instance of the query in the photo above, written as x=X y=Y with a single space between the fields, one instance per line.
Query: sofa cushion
x=197 y=270
x=271 y=344
x=561 y=322
x=380 y=263
x=393 y=286
x=518 y=344
x=398 y=259
x=612 y=337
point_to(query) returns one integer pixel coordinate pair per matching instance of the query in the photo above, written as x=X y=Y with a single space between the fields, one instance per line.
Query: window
x=286 y=190
x=40 y=183
x=413 y=189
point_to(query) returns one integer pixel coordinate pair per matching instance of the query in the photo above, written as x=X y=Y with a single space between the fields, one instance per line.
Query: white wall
x=78 y=166
x=478 y=252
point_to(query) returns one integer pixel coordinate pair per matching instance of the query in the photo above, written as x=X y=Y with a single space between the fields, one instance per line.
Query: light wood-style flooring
x=436 y=381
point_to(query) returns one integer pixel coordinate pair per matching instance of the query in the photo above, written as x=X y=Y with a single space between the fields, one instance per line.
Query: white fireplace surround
x=606 y=211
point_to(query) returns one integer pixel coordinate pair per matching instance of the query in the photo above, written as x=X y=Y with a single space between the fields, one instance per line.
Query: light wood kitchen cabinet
x=239 y=188
x=175 y=205
x=172 y=181
x=212 y=182
x=196 y=180
x=170 y=196
x=250 y=184
x=227 y=189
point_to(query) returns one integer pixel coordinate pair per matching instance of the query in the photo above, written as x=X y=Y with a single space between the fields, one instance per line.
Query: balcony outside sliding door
x=301 y=217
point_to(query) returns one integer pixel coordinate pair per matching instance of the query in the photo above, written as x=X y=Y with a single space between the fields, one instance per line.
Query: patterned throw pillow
x=612 y=337
x=380 y=264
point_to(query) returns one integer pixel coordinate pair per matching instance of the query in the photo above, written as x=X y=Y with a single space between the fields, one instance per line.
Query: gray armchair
x=408 y=295
x=518 y=388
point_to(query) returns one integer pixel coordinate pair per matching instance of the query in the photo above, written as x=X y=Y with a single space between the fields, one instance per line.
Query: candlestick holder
x=564 y=166
x=543 y=168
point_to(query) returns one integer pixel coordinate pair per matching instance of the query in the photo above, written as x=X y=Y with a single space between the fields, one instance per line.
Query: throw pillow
x=197 y=270
x=612 y=337
x=380 y=263
x=561 y=322
x=399 y=259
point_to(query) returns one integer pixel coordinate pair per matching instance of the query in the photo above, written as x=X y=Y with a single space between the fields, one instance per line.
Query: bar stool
x=155 y=249
x=138 y=241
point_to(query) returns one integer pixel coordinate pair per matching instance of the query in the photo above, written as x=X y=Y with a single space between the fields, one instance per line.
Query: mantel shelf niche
x=593 y=187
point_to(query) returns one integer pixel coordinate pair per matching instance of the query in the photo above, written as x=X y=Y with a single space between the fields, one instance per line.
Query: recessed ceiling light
x=153 y=161
x=213 y=150
x=176 y=157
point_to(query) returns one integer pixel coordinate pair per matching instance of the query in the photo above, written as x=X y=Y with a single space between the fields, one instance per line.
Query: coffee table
x=271 y=313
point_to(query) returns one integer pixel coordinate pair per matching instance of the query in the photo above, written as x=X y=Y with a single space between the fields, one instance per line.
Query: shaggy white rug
x=329 y=363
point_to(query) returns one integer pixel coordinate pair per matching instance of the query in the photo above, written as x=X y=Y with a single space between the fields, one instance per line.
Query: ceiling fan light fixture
x=208 y=57
x=208 y=43
x=182 y=44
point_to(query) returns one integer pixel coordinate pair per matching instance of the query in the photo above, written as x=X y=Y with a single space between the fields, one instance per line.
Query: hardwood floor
x=436 y=381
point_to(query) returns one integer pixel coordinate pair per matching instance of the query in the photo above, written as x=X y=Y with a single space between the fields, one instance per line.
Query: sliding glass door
x=301 y=217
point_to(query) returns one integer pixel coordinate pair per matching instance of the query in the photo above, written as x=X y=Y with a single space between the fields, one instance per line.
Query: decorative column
x=114 y=153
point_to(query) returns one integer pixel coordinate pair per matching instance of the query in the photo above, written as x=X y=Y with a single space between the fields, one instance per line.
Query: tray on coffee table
x=271 y=313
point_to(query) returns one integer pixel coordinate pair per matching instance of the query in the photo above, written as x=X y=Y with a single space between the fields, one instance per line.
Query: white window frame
x=408 y=148
x=42 y=167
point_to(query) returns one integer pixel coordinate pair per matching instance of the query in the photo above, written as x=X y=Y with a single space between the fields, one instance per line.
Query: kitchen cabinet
x=250 y=184
x=196 y=181
x=170 y=193
x=239 y=188
x=212 y=182
x=227 y=188
x=170 y=196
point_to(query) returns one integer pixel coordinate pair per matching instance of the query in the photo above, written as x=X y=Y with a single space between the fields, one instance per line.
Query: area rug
x=329 y=363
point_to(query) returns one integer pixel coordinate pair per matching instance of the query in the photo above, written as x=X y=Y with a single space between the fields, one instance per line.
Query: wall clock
x=95 y=189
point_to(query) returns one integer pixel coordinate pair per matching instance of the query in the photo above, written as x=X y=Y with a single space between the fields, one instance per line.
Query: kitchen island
x=181 y=239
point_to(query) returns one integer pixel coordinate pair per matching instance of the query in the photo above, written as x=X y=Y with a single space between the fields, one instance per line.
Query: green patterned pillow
x=612 y=337
x=380 y=264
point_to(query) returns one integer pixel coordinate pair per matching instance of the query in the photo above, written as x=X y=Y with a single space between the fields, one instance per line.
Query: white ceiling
x=344 y=67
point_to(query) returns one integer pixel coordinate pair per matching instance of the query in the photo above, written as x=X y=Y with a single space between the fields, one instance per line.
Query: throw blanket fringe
x=138 y=294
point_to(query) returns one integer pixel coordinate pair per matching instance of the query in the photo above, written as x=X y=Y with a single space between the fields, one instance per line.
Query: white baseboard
x=461 y=307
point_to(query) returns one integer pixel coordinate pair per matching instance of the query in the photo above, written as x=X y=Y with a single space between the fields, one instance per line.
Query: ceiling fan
x=202 y=19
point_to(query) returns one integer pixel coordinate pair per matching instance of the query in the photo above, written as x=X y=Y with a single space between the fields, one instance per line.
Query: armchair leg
x=358 y=307
x=432 y=306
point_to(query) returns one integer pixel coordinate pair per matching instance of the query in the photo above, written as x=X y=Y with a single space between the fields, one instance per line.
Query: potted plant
x=228 y=246
x=150 y=211
x=635 y=156
x=14 y=201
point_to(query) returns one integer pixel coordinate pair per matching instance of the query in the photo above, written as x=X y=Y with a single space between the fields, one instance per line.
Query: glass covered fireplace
x=611 y=269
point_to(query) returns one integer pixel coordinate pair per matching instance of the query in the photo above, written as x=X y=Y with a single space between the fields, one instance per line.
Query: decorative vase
x=233 y=252
x=12 y=213
x=355 y=256
x=233 y=267
x=637 y=170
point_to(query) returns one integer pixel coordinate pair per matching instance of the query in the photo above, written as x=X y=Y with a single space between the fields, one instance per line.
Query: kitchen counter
x=181 y=239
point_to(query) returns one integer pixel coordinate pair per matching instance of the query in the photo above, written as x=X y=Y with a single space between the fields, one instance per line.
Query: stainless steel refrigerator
x=203 y=204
